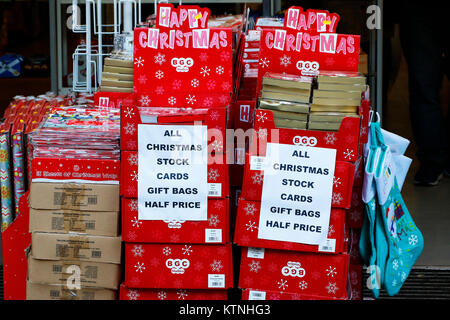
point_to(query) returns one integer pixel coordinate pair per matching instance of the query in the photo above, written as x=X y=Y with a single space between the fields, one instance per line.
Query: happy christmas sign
x=296 y=195
x=181 y=60
x=306 y=44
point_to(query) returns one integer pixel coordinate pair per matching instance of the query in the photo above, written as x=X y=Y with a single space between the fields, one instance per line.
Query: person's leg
x=423 y=48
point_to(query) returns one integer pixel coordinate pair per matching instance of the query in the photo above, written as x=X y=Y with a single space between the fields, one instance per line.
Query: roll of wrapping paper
x=5 y=182
x=18 y=168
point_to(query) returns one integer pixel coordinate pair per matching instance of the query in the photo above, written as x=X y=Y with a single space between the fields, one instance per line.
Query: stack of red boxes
x=275 y=269
x=177 y=258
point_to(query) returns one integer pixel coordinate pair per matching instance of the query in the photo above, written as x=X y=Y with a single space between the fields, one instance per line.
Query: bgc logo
x=304 y=141
x=177 y=266
x=182 y=64
x=308 y=68
x=293 y=269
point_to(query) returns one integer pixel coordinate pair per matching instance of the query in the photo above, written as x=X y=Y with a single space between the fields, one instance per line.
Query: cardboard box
x=57 y=292
x=93 y=274
x=79 y=196
x=310 y=274
x=342 y=182
x=171 y=294
x=213 y=230
x=258 y=294
x=178 y=266
x=100 y=223
x=345 y=141
x=248 y=215
x=75 y=246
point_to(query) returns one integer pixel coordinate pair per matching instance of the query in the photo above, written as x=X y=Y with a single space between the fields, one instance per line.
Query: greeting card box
x=247 y=223
x=182 y=55
x=37 y=291
x=75 y=246
x=213 y=230
x=342 y=182
x=288 y=271
x=101 y=223
x=345 y=141
x=214 y=118
x=92 y=274
x=74 y=196
x=257 y=294
x=217 y=176
x=178 y=266
x=171 y=294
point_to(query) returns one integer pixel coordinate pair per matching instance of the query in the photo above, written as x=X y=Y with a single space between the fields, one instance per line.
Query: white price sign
x=172 y=172
x=296 y=195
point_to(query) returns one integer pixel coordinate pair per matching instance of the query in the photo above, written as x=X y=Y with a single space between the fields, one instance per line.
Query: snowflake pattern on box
x=213 y=174
x=133 y=159
x=136 y=222
x=145 y=101
x=129 y=129
x=139 y=62
x=285 y=61
x=162 y=295
x=303 y=285
x=250 y=209
x=137 y=250
x=216 y=266
x=139 y=267
x=187 y=250
x=331 y=271
x=213 y=220
x=332 y=288
x=129 y=113
x=167 y=251
x=251 y=226
x=257 y=178
x=254 y=266
x=160 y=58
x=182 y=294
x=133 y=295
x=282 y=284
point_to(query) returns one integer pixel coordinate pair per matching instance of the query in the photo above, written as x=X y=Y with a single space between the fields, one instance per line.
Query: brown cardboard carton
x=92 y=274
x=75 y=196
x=75 y=246
x=37 y=291
x=100 y=223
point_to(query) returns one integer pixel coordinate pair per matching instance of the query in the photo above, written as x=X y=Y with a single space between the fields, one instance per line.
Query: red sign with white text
x=181 y=61
x=307 y=43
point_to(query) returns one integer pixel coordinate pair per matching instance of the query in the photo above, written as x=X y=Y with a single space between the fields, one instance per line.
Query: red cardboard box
x=214 y=118
x=75 y=170
x=345 y=141
x=355 y=214
x=246 y=234
x=342 y=183
x=213 y=230
x=218 y=180
x=175 y=266
x=353 y=246
x=304 y=273
x=257 y=294
x=114 y=99
x=170 y=294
